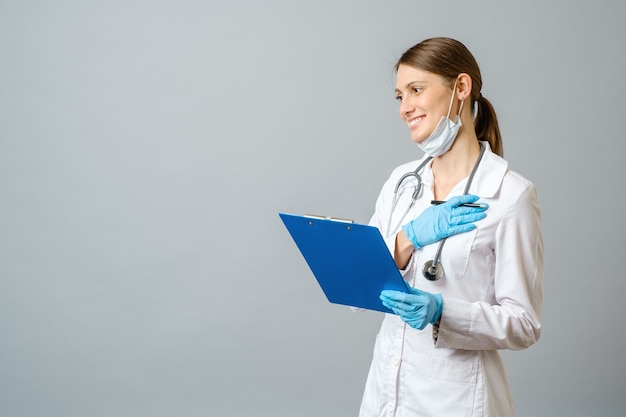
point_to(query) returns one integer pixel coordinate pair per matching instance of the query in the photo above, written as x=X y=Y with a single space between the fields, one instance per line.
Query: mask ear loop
x=452 y=98
x=452 y=101
x=460 y=108
x=476 y=104
x=475 y=111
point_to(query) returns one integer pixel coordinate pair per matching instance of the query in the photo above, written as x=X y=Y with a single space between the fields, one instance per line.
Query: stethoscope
x=432 y=270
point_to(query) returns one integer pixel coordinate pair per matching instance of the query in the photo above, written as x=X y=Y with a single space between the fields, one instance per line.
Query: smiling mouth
x=414 y=122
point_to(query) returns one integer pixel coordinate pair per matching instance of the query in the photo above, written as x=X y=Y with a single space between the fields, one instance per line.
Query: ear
x=464 y=86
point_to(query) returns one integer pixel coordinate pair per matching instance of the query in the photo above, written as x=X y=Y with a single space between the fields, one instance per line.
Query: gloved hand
x=443 y=220
x=417 y=308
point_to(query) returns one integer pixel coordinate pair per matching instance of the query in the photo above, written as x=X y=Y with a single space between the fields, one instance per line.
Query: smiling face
x=424 y=99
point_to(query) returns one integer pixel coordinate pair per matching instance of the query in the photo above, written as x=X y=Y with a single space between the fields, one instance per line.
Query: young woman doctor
x=438 y=354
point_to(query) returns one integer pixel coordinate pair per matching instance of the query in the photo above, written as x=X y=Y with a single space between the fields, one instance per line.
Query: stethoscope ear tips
x=432 y=271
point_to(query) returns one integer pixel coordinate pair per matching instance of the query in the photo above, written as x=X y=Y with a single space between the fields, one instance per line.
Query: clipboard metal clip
x=335 y=219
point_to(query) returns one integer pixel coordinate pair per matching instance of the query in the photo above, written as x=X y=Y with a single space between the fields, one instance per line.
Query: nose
x=406 y=108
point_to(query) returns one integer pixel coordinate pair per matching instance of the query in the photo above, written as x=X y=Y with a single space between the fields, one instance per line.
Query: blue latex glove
x=417 y=308
x=443 y=220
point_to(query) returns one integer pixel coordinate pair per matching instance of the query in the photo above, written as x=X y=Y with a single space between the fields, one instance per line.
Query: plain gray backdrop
x=146 y=148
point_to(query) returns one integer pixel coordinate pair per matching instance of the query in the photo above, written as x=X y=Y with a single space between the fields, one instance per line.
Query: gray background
x=146 y=148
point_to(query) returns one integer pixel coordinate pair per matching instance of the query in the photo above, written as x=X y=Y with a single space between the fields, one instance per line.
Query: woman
x=438 y=354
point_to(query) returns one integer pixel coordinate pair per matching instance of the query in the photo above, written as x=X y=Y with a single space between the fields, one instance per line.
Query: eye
x=398 y=97
x=416 y=90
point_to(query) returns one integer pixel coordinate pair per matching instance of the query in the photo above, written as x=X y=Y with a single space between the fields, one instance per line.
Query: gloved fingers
x=393 y=306
x=399 y=296
x=461 y=228
x=461 y=199
x=413 y=315
x=400 y=307
x=409 y=316
x=467 y=218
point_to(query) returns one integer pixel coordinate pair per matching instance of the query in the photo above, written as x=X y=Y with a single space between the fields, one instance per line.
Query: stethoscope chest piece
x=432 y=270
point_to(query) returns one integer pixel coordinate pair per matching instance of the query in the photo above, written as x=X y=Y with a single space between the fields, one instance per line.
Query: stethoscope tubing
x=432 y=270
x=416 y=192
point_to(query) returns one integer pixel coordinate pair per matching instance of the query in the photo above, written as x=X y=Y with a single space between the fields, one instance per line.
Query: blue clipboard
x=350 y=261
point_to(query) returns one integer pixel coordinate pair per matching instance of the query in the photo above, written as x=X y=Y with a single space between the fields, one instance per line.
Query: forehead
x=406 y=75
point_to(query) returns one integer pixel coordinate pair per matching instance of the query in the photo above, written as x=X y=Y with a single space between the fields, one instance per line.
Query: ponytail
x=486 y=125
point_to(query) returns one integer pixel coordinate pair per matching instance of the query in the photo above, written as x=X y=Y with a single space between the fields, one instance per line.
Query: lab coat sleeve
x=513 y=322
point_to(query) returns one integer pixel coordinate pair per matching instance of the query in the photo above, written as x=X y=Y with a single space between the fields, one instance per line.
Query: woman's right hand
x=443 y=220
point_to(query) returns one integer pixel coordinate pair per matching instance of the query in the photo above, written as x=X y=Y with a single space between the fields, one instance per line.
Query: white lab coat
x=492 y=290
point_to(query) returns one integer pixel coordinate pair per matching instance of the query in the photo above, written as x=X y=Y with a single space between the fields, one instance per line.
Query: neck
x=458 y=162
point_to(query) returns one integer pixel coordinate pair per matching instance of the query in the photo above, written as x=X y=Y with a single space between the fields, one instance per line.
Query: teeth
x=415 y=121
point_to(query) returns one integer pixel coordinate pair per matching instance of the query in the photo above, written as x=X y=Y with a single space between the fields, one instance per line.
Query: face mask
x=442 y=138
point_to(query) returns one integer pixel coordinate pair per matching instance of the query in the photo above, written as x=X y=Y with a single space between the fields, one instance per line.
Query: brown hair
x=449 y=58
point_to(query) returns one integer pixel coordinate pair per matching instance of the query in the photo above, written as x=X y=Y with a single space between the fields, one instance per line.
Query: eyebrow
x=409 y=85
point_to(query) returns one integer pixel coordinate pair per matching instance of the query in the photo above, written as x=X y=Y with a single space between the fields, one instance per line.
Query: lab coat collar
x=488 y=177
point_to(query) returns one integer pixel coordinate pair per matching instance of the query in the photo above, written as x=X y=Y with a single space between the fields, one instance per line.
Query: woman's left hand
x=417 y=308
